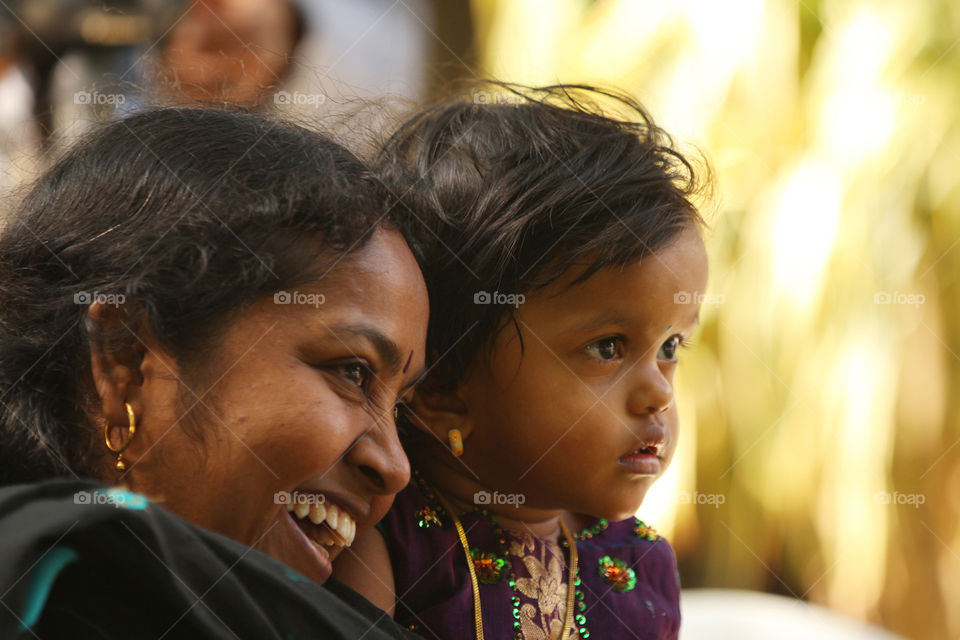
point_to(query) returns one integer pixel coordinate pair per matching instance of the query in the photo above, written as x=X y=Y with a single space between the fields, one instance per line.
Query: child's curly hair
x=507 y=190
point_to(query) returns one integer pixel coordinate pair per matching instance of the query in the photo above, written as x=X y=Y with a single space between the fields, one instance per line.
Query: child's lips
x=643 y=461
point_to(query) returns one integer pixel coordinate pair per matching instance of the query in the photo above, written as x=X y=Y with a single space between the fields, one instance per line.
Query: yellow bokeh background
x=818 y=403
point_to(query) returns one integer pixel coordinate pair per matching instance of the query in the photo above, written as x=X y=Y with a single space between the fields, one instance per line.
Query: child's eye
x=606 y=349
x=669 y=349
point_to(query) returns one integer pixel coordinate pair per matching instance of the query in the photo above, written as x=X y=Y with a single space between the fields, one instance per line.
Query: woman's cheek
x=378 y=509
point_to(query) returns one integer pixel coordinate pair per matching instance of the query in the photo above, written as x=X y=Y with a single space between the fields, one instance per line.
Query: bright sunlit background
x=820 y=452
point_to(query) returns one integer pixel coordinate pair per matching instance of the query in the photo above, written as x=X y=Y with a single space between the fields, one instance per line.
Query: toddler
x=564 y=263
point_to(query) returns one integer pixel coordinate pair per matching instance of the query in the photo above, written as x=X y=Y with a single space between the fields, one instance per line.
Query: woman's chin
x=288 y=544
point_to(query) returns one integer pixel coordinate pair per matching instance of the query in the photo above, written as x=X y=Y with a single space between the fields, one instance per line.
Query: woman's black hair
x=183 y=216
x=511 y=186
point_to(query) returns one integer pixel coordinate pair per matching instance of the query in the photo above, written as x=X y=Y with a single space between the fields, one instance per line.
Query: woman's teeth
x=340 y=529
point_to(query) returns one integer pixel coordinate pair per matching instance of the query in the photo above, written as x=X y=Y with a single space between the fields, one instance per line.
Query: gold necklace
x=571 y=578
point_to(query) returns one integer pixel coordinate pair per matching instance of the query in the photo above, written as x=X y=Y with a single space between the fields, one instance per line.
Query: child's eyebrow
x=616 y=318
x=691 y=323
x=605 y=319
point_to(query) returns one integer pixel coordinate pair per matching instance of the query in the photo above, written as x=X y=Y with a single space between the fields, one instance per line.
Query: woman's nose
x=381 y=458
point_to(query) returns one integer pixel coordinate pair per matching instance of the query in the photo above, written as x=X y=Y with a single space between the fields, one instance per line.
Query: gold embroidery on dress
x=544 y=582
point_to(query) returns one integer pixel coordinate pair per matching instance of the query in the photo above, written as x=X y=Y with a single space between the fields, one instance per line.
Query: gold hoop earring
x=456 y=441
x=131 y=430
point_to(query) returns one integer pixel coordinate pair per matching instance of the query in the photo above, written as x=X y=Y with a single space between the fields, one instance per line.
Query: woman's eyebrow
x=387 y=350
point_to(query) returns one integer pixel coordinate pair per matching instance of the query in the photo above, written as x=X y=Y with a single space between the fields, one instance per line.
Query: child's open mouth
x=643 y=461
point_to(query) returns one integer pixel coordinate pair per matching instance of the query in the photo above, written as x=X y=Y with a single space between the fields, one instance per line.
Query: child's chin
x=624 y=510
x=616 y=513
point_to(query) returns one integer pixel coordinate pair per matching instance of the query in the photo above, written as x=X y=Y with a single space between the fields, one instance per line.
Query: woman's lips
x=322 y=529
x=313 y=561
x=333 y=524
x=643 y=461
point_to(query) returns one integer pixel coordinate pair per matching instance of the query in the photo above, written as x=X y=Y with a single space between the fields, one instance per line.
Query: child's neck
x=459 y=489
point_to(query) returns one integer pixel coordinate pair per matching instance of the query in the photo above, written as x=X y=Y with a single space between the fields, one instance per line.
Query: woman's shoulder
x=81 y=554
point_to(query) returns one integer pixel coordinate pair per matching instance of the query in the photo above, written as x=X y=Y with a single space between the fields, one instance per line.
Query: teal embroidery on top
x=42 y=578
x=294 y=576
x=127 y=499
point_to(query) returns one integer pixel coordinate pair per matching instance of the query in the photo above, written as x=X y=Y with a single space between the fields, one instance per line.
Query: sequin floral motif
x=490 y=567
x=645 y=531
x=428 y=517
x=617 y=574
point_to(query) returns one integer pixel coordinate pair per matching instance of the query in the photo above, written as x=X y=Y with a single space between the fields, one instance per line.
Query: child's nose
x=652 y=392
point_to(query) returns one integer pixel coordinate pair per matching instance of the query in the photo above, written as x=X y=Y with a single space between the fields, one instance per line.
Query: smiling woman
x=213 y=310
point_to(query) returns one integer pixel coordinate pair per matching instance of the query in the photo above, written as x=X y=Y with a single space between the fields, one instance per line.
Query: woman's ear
x=116 y=353
x=128 y=366
x=438 y=412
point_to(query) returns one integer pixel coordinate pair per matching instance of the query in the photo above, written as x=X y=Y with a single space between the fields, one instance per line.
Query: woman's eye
x=356 y=373
x=669 y=349
x=606 y=349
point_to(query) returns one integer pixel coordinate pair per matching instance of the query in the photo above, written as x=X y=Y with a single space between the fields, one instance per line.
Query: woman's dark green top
x=80 y=560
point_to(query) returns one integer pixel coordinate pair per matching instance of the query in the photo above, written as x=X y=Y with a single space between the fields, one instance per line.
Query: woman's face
x=299 y=406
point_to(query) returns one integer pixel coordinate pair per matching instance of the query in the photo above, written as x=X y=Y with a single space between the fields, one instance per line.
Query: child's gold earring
x=456 y=441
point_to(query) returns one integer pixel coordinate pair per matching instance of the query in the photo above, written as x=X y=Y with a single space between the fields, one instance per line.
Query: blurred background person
x=298 y=55
x=228 y=50
x=67 y=64
x=18 y=135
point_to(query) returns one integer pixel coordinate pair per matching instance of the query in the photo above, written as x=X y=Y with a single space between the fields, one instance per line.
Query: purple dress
x=629 y=587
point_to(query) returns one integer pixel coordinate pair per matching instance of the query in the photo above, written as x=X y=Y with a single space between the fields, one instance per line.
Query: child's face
x=563 y=424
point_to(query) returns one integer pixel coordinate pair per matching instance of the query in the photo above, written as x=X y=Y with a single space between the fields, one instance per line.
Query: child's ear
x=438 y=412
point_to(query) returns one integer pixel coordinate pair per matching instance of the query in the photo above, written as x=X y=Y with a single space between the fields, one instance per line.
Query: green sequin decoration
x=595 y=530
x=428 y=517
x=617 y=574
x=490 y=567
x=643 y=530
